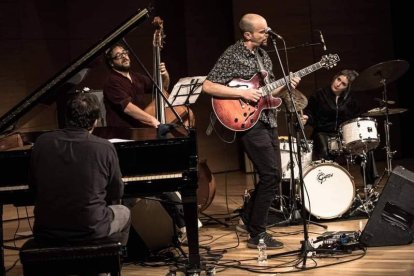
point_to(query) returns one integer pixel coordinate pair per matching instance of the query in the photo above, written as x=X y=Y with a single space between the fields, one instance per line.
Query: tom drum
x=359 y=135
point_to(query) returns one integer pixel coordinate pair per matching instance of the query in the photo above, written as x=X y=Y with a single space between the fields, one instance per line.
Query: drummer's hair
x=351 y=75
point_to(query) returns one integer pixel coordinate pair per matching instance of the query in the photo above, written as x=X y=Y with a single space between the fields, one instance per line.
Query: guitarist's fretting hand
x=294 y=82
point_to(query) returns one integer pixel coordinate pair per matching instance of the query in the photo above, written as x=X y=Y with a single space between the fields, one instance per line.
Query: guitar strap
x=261 y=67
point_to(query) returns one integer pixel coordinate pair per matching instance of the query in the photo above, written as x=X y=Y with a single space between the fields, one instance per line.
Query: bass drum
x=328 y=188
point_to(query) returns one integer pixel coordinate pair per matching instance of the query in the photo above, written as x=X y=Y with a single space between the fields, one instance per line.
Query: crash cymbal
x=300 y=100
x=380 y=111
x=372 y=77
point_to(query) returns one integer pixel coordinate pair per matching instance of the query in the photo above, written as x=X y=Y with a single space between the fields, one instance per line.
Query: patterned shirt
x=239 y=62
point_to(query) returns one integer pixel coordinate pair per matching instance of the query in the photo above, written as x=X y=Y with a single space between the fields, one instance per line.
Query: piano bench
x=89 y=258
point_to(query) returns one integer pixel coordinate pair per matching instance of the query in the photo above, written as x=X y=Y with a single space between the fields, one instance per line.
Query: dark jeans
x=261 y=144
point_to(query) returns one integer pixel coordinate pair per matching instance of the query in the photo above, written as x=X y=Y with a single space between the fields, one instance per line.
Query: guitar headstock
x=158 y=40
x=329 y=61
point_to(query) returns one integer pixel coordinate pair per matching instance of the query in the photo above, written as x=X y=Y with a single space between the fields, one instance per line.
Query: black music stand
x=186 y=91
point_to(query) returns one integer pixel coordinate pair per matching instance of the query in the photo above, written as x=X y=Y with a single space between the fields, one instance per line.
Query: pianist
x=77 y=180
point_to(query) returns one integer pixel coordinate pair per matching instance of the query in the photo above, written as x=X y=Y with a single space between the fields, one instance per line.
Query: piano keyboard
x=151 y=177
x=14 y=188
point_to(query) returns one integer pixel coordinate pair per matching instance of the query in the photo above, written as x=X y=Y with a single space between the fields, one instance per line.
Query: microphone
x=269 y=31
x=322 y=40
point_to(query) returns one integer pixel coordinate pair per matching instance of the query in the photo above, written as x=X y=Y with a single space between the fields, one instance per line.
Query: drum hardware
x=366 y=204
x=290 y=162
x=377 y=76
x=335 y=145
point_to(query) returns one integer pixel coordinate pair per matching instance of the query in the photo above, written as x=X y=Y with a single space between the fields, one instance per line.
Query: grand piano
x=150 y=164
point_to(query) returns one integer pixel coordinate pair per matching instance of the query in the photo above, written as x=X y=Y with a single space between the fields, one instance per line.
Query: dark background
x=40 y=38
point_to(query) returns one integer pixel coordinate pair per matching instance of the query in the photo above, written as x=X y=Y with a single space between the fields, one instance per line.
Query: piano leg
x=189 y=200
x=2 y=268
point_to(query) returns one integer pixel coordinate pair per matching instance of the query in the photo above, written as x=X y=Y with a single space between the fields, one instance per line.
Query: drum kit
x=329 y=188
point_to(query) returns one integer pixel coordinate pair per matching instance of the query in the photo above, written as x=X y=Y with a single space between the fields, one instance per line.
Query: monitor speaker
x=151 y=229
x=391 y=222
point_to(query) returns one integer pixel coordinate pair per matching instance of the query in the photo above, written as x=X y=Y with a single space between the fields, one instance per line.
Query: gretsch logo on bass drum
x=321 y=176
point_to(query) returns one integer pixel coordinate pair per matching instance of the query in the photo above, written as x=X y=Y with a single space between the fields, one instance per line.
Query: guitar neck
x=267 y=89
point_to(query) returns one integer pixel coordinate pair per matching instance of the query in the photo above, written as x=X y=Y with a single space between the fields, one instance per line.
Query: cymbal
x=383 y=102
x=381 y=111
x=300 y=100
x=372 y=77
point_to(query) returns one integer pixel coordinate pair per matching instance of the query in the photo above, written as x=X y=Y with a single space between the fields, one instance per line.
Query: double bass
x=158 y=107
x=206 y=182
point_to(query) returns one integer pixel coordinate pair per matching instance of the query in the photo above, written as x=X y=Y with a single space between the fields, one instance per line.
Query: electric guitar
x=240 y=115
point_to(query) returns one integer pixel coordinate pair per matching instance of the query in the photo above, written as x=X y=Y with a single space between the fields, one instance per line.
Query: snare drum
x=328 y=188
x=359 y=135
x=285 y=156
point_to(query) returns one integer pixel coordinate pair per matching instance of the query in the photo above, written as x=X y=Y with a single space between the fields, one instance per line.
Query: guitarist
x=243 y=60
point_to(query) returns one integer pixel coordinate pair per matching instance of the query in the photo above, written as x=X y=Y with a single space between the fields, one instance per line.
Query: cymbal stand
x=389 y=153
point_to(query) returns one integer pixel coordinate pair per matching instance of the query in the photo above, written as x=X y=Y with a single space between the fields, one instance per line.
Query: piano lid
x=60 y=78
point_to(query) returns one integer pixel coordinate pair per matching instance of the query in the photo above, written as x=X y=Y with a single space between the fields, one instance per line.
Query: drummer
x=327 y=109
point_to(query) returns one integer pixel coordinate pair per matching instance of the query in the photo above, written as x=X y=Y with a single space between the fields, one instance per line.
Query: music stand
x=186 y=91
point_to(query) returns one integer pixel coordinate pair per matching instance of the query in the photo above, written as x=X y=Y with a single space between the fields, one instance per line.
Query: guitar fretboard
x=327 y=61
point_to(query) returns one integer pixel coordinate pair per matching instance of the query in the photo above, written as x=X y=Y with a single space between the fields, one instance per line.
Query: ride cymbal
x=378 y=74
x=381 y=111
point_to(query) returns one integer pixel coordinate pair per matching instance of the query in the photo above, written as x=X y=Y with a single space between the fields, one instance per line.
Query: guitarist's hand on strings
x=250 y=94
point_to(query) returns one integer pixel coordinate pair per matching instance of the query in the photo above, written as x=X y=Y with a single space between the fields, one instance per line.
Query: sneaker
x=269 y=241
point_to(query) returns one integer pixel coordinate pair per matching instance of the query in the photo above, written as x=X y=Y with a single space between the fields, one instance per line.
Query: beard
x=121 y=67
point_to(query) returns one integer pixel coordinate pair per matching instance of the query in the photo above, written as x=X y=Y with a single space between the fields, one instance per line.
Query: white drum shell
x=359 y=135
x=285 y=156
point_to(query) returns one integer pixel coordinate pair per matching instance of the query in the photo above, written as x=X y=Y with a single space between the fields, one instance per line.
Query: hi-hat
x=300 y=100
x=382 y=111
x=380 y=74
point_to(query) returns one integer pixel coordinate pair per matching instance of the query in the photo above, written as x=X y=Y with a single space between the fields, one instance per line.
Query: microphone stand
x=306 y=245
x=303 y=45
x=157 y=88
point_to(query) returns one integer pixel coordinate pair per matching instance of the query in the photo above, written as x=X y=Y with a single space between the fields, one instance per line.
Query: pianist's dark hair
x=108 y=53
x=82 y=110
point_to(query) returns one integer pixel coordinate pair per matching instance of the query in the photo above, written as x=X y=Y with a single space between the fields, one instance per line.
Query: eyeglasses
x=121 y=54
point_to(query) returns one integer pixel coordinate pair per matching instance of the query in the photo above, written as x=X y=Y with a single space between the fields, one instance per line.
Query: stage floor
x=227 y=251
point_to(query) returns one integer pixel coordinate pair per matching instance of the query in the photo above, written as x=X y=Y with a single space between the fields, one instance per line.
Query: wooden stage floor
x=228 y=253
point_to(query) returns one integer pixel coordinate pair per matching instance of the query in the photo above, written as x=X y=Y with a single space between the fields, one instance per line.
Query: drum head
x=329 y=190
